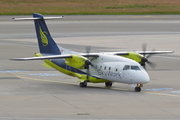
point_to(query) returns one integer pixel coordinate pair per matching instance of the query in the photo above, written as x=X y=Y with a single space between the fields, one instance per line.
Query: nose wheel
x=137 y=88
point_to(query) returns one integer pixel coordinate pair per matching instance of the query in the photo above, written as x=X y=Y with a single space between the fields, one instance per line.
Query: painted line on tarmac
x=176 y=91
x=158 y=89
x=101 y=87
x=35 y=79
x=152 y=92
x=46 y=74
x=9 y=71
x=162 y=94
x=9 y=76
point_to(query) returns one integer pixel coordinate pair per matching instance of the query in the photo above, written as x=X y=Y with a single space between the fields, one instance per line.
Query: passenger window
x=105 y=68
x=116 y=69
x=126 y=67
x=109 y=68
x=135 y=68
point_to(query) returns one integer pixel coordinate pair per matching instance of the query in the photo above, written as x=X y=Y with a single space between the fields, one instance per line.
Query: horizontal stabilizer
x=45 y=18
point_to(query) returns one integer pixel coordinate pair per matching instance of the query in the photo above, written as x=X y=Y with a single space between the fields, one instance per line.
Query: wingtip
x=14 y=59
x=12 y=19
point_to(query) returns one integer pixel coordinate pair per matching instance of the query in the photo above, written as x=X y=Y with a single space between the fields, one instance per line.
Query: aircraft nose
x=143 y=77
x=146 y=78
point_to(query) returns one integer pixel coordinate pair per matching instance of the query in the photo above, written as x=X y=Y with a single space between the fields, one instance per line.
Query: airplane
x=102 y=67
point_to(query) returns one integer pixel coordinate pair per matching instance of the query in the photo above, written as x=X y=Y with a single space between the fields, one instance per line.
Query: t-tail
x=45 y=41
x=47 y=46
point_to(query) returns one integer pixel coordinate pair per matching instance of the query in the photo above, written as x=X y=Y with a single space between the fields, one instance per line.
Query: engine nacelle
x=77 y=61
x=134 y=56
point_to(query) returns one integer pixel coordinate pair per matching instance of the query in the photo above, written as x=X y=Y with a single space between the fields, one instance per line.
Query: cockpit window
x=126 y=67
x=135 y=68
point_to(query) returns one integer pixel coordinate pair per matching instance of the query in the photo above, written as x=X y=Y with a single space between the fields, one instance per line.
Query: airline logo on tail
x=43 y=37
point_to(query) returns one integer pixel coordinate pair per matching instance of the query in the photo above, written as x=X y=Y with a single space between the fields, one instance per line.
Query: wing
x=88 y=55
x=54 y=57
x=140 y=52
x=154 y=52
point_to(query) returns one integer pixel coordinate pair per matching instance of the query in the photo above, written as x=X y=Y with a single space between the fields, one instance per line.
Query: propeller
x=88 y=62
x=144 y=59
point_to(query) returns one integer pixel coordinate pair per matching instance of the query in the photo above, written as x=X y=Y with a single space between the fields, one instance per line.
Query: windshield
x=135 y=68
x=128 y=67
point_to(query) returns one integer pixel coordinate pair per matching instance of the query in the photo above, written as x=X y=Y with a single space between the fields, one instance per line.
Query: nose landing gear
x=138 y=88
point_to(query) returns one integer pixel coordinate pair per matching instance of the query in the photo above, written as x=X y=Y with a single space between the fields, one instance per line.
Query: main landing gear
x=108 y=84
x=83 y=84
x=138 y=88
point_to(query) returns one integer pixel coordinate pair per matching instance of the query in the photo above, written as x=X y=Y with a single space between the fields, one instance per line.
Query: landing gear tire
x=137 y=89
x=108 y=84
x=83 y=84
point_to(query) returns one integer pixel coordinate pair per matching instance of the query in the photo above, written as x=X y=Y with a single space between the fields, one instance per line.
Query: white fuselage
x=118 y=69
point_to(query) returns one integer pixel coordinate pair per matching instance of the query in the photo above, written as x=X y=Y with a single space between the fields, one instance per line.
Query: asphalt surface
x=30 y=91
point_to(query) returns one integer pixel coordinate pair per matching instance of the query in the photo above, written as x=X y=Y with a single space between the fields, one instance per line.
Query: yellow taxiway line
x=35 y=79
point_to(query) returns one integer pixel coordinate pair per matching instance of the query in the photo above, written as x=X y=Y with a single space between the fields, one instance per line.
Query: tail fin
x=45 y=41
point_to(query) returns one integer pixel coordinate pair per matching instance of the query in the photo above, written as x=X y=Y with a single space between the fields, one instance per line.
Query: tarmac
x=30 y=91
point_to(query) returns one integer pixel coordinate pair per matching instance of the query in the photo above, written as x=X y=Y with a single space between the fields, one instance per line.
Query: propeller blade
x=153 y=65
x=88 y=62
x=144 y=46
x=150 y=54
x=88 y=49
x=145 y=59
x=144 y=66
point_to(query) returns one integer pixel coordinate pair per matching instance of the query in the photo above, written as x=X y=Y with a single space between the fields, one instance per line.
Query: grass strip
x=89 y=7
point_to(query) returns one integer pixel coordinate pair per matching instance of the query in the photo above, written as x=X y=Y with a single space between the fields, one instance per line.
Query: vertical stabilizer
x=45 y=41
